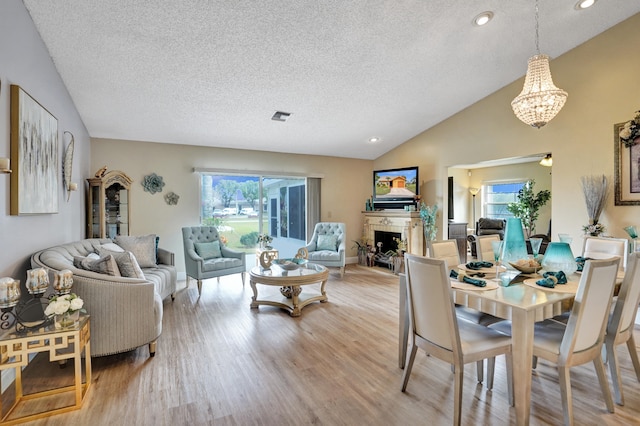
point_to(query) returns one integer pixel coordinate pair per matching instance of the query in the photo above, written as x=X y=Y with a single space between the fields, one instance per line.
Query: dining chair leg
x=604 y=383
x=480 y=370
x=491 y=364
x=565 y=393
x=411 y=356
x=457 y=396
x=509 y=364
x=633 y=352
x=614 y=368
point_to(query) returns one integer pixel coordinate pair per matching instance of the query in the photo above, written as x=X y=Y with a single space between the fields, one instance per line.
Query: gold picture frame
x=626 y=171
x=34 y=156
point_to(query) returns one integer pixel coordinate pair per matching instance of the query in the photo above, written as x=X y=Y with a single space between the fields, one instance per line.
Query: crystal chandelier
x=540 y=100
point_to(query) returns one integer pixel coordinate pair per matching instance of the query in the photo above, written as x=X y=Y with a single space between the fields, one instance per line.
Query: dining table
x=523 y=304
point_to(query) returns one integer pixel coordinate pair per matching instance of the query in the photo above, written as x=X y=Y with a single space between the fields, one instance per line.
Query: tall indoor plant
x=528 y=205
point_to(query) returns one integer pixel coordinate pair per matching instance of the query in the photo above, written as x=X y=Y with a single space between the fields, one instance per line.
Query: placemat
x=569 y=287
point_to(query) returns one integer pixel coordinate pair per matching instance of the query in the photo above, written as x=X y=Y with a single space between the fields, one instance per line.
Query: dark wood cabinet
x=458 y=232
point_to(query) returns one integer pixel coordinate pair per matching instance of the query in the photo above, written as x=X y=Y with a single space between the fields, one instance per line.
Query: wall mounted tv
x=395 y=188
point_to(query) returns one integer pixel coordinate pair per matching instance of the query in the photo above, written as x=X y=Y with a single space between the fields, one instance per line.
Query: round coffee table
x=292 y=297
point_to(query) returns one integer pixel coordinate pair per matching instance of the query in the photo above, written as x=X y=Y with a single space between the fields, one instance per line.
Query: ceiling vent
x=280 y=116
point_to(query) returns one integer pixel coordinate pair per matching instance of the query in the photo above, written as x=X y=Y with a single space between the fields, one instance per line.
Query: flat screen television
x=395 y=188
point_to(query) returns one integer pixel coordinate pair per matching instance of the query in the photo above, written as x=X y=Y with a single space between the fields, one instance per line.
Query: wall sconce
x=547 y=161
x=5 y=165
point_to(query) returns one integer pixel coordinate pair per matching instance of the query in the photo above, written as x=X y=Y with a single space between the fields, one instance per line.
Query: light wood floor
x=220 y=362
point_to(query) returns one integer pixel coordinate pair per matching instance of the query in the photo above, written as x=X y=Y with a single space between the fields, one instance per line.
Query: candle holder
x=28 y=314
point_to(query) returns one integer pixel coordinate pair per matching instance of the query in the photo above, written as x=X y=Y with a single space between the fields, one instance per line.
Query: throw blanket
x=462 y=277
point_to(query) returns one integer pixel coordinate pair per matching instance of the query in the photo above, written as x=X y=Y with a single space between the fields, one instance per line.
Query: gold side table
x=62 y=345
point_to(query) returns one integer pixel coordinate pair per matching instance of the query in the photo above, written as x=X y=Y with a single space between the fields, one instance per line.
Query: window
x=242 y=206
x=497 y=196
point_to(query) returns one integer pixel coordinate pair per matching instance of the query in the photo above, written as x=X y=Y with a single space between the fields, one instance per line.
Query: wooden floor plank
x=220 y=362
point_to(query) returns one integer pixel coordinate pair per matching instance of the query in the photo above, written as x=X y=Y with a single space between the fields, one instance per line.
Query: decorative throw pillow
x=104 y=265
x=142 y=247
x=94 y=256
x=208 y=250
x=327 y=242
x=113 y=247
x=126 y=261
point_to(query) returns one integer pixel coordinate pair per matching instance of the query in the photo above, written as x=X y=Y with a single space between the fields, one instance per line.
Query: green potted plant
x=528 y=205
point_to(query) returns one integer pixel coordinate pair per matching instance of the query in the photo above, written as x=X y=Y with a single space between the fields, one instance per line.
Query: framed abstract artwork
x=627 y=171
x=34 y=156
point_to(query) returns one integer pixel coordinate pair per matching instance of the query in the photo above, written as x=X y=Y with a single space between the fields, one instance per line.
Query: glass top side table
x=62 y=345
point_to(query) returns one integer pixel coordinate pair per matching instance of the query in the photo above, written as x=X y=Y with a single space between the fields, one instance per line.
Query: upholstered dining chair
x=484 y=251
x=621 y=325
x=581 y=339
x=604 y=248
x=205 y=256
x=327 y=245
x=435 y=328
x=447 y=250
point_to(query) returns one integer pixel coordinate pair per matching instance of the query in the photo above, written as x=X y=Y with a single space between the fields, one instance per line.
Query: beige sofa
x=125 y=312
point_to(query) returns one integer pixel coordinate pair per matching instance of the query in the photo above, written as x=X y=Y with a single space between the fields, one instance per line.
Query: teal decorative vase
x=514 y=247
x=559 y=257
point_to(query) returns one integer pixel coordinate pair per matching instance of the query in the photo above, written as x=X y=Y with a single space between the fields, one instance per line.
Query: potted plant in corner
x=528 y=206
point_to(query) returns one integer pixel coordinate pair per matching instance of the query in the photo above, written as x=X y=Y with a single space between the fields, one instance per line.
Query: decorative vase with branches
x=528 y=206
x=596 y=192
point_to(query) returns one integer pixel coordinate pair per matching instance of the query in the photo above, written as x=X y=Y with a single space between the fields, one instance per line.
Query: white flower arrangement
x=630 y=131
x=66 y=303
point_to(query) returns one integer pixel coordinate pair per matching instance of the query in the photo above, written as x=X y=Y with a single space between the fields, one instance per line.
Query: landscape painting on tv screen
x=395 y=184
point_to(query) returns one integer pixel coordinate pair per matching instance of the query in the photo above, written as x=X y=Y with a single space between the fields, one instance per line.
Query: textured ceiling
x=213 y=72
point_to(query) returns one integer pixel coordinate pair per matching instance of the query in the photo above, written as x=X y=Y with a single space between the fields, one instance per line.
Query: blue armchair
x=327 y=245
x=206 y=257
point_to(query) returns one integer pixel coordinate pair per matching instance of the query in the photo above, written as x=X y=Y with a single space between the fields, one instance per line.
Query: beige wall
x=601 y=77
x=346 y=183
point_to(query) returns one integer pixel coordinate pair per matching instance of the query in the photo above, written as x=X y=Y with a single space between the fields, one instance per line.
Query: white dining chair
x=447 y=250
x=435 y=328
x=604 y=248
x=581 y=339
x=621 y=325
x=484 y=250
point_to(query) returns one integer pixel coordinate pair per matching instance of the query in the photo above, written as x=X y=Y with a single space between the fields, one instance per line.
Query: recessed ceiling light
x=483 y=18
x=583 y=4
x=374 y=140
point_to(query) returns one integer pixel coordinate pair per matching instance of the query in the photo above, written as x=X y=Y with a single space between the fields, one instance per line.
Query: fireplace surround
x=407 y=224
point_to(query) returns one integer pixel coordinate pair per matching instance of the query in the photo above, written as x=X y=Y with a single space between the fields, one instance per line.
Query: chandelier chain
x=537 y=34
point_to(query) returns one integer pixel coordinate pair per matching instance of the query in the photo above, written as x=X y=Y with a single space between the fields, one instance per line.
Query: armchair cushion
x=327 y=242
x=208 y=250
x=143 y=248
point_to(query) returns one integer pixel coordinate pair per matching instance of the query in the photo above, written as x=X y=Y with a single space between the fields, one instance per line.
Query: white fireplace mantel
x=408 y=224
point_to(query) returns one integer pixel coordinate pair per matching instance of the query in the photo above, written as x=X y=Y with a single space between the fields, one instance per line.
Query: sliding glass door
x=242 y=207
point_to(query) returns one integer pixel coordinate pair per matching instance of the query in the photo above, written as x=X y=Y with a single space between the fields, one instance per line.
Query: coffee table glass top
x=275 y=271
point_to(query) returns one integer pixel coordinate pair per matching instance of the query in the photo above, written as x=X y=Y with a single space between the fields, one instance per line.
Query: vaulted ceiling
x=214 y=72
